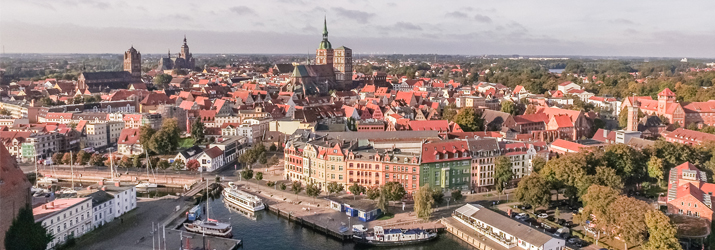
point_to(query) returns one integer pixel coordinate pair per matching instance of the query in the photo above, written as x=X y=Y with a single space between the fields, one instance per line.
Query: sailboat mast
x=37 y=174
x=72 y=170
x=207 y=201
x=111 y=164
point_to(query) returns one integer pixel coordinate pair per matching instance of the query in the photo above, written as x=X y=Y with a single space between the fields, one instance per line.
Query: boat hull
x=230 y=199
x=361 y=241
x=196 y=229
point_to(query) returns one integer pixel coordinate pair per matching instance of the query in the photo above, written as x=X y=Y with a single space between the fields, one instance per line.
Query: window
x=340 y=177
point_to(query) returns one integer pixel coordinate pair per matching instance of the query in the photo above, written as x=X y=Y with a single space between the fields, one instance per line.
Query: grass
x=386 y=216
x=186 y=142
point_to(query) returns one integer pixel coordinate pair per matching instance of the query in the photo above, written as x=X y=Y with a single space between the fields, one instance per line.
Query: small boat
x=47 y=180
x=146 y=184
x=194 y=213
x=209 y=227
x=393 y=237
x=242 y=199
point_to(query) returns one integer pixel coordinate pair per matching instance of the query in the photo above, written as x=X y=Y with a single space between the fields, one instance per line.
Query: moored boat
x=209 y=227
x=194 y=213
x=379 y=236
x=242 y=199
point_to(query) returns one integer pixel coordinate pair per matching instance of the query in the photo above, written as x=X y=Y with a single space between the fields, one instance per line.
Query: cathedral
x=332 y=70
x=184 y=61
x=108 y=80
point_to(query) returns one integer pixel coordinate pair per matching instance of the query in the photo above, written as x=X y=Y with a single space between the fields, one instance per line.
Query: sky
x=648 y=28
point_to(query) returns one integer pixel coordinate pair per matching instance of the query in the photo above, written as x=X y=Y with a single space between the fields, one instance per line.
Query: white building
x=64 y=218
x=102 y=208
x=505 y=231
x=211 y=159
x=96 y=135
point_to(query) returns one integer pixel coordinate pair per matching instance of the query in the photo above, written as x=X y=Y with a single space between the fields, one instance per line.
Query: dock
x=470 y=236
x=311 y=222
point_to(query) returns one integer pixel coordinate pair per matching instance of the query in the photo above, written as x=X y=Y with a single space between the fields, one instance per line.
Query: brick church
x=332 y=70
x=683 y=113
x=107 y=80
x=184 y=60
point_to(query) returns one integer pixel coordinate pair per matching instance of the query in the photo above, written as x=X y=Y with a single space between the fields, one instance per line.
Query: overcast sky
x=527 y=27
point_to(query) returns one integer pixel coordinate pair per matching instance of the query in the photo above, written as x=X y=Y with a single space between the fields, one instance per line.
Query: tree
x=126 y=162
x=395 y=191
x=270 y=183
x=262 y=159
x=82 y=157
x=372 y=192
x=247 y=174
x=469 y=120
x=533 y=190
x=655 y=169
x=136 y=161
x=96 y=160
x=383 y=200
x=273 y=147
x=449 y=111
x=424 y=202
x=502 y=173
x=145 y=134
x=355 y=189
x=623 y=118
x=312 y=190
x=508 y=107
x=607 y=177
x=197 y=130
x=457 y=195
x=597 y=201
x=26 y=234
x=530 y=109
x=171 y=128
x=259 y=176
x=557 y=213
x=627 y=216
x=67 y=158
x=162 y=80
x=537 y=164
x=163 y=164
x=627 y=161
x=334 y=188
x=567 y=172
x=57 y=158
x=296 y=188
x=161 y=142
x=663 y=235
x=193 y=165
x=5 y=112
x=282 y=186
x=437 y=196
x=273 y=160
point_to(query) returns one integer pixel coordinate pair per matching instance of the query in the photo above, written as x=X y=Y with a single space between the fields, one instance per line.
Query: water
x=556 y=71
x=268 y=231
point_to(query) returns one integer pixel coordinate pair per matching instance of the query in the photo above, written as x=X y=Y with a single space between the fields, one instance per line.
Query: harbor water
x=265 y=230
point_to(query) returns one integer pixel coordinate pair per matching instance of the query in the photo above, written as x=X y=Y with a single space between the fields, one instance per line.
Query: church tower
x=633 y=116
x=185 y=50
x=324 y=53
x=343 y=64
x=133 y=62
x=665 y=98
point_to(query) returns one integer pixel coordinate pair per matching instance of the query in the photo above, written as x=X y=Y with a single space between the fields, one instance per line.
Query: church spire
x=184 y=39
x=325 y=28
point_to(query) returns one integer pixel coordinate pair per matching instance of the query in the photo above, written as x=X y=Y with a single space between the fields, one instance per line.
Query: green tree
x=334 y=188
x=655 y=169
x=247 y=174
x=663 y=235
x=67 y=158
x=145 y=134
x=457 y=195
x=566 y=172
x=608 y=177
x=355 y=189
x=26 y=234
x=383 y=200
x=262 y=159
x=57 y=158
x=296 y=187
x=623 y=118
x=312 y=190
x=395 y=191
x=273 y=160
x=502 y=173
x=282 y=186
x=273 y=147
x=628 y=219
x=270 y=183
x=259 y=176
x=162 y=80
x=597 y=201
x=178 y=164
x=424 y=202
x=136 y=161
x=537 y=164
x=96 y=160
x=161 y=142
x=628 y=162
x=449 y=111
x=197 y=130
x=171 y=128
x=469 y=120
x=508 y=107
x=82 y=157
x=163 y=164
x=533 y=190
x=372 y=192
x=437 y=196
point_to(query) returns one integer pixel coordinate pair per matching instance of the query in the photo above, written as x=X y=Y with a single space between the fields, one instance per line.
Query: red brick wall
x=10 y=203
x=688 y=203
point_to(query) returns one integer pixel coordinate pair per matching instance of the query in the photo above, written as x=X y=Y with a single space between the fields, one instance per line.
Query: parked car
x=545 y=226
x=573 y=240
x=525 y=207
x=543 y=216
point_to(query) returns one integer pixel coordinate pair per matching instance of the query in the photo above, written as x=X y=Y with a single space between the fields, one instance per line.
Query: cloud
x=456 y=14
x=242 y=10
x=181 y=17
x=359 y=16
x=406 y=26
x=622 y=21
x=482 y=18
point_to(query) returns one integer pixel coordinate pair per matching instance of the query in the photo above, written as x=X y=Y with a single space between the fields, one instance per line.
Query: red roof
x=563 y=121
x=129 y=136
x=446 y=150
x=690 y=135
x=436 y=125
x=214 y=152
x=666 y=92
x=569 y=145
x=531 y=118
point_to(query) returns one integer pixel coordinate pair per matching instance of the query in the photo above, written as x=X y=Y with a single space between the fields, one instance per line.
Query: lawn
x=186 y=142
x=386 y=216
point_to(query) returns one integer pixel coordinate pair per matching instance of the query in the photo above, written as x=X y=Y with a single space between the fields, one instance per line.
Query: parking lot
x=545 y=219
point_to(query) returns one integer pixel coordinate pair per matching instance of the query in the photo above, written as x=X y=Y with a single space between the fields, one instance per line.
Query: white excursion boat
x=242 y=199
x=146 y=184
x=392 y=237
x=209 y=227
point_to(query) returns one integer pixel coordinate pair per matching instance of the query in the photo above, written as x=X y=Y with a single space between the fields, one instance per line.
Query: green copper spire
x=325 y=44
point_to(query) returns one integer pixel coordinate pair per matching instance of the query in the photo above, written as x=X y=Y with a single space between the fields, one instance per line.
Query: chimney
x=52 y=204
x=116 y=184
x=605 y=133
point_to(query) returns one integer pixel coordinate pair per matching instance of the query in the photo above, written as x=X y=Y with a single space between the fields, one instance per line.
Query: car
x=525 y=207
x=545 y=226
x=543 y=216
x=580 y=243
x=573 y=240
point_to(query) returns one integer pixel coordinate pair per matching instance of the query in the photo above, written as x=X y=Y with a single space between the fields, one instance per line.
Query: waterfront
x=268 y=231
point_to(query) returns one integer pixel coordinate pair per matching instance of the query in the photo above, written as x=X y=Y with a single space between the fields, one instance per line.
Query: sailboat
x=147 y=184
x=209 y=226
